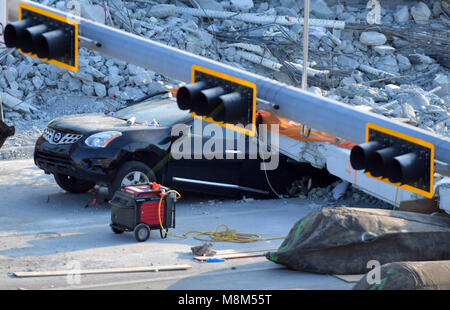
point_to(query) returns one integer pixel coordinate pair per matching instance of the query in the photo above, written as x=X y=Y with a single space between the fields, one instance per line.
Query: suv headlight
x=102 y=139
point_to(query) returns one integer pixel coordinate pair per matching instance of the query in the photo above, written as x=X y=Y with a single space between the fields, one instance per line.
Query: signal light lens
x=51 y=44
x=231 y=108
x=360 y=153
x=406 y=168
x=207 y=101
x=29 y=37
x=188 y=94
x=378 y=162
x=13 y=32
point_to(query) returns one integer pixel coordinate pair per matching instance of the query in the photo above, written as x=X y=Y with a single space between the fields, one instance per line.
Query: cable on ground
x=222 y=232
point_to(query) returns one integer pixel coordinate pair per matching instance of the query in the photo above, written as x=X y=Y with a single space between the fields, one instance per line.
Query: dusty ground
x=43 y=228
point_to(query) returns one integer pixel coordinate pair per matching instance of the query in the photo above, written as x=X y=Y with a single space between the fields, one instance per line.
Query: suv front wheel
x=131 y=173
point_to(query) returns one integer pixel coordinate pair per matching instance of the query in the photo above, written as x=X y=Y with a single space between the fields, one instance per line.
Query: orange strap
x=293 y=130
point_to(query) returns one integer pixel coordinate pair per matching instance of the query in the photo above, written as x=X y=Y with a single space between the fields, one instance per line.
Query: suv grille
x=59 y=137
x=51 y=162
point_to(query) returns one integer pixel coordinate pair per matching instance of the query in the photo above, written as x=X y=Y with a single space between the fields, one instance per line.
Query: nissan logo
x=57 y=137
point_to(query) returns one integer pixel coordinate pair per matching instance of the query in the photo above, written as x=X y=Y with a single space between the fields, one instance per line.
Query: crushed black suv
x=133 y=146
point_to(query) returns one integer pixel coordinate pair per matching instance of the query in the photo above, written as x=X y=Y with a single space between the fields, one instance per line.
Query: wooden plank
x=100 y=271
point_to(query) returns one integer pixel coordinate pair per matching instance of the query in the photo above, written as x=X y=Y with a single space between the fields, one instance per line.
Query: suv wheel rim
x=135 y=178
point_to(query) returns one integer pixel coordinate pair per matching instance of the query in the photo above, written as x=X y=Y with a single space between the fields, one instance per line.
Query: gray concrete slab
x=43 y=228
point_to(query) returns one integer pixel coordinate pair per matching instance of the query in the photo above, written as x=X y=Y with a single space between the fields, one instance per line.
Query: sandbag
x=434 y=275
x=344 y=240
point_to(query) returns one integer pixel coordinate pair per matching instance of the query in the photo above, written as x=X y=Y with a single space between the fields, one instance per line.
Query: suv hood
x=84 y=123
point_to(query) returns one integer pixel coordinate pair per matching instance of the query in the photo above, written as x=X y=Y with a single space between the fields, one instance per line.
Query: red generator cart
x=136 y=208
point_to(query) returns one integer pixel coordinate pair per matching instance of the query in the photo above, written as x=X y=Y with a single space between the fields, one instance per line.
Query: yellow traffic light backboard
x=47 y=36
x=221 y=99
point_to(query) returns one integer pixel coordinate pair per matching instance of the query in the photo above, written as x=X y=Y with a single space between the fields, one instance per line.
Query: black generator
x=142 y=208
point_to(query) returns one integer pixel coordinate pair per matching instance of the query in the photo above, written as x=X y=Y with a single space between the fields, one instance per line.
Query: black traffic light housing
x=221 y=99
x=396 y=158
x=44 y=35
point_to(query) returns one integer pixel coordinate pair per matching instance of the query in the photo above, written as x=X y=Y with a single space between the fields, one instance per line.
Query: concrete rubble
x=367 y=67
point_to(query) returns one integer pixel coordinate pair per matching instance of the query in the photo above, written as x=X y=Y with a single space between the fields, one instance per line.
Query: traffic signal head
x=45 y=36
x=397 y=159
x=221 y=99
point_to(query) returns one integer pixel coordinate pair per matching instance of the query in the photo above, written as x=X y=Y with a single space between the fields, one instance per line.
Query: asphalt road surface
x=43 y=228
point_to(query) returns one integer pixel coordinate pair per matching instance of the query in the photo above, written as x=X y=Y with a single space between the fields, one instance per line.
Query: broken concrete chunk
x=387 y=63
x=13 y=103
x=319 y=9
x=372 y=38
x=37 y=82
x=402 y=15
x=11 y=74
x=242 y=5
x=114 y=79
x=421 y=13
x=403 y=62
x=347 y=81
x=100 y=90
x=420 y=59
x=407 y=111
x=347 y=62
x=207 y=4
x=162 y=10
x=418 y=100
x=442 y=81
x=87 y=89
x=93 y=12
x=74 y=84
x=384 y=49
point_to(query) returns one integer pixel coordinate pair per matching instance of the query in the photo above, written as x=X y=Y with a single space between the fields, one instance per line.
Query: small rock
x=391 y=89
x=162 y=10
x=134 y=70
x=114 y=79
x=407 y=111
x=347 y=62
x=87 y=89
x=442 y=81
x=242 y=5
x=420 y=59
x=403 y=62
x=347 y=81
x=402 y=15
x=84 y=76
x=320 y=9
x=143 y=78
x=209 y=5
x=74 y=84
x=100 y=90
x=11 y=74
x=37 y=82
x=387 y=63
x=421 y=13
x=372 y=38
x=418 y=100
x=93 y=12
x=383 y=49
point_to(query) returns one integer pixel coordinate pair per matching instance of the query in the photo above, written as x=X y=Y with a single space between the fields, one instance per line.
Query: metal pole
x=295 y=104
x=305 y=47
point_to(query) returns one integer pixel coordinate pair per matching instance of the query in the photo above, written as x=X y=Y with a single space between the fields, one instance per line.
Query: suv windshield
x=164 y=111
